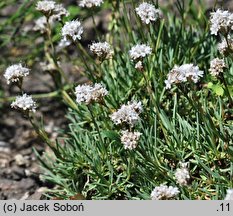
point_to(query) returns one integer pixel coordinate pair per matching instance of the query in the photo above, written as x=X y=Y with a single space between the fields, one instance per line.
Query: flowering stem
x=83 y=51
x=54 y=57
x=98 y=130
x=39 y=96
x=159 y=35
x=149 y=88
x=95 y=26
x=49 y=32
x=227 y=90
x=42 y=133
x=79 y=45
x=69 y=100
x=20 y=85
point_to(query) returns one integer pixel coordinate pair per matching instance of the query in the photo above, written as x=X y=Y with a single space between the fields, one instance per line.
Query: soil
x=19 y=169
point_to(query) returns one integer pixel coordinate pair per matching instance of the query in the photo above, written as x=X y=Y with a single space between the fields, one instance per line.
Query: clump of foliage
x=155 y=112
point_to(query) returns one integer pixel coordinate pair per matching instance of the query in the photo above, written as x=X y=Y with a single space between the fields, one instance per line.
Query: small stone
x=21 y=160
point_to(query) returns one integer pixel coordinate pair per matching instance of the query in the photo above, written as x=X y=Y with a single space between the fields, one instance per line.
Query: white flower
x=15 y=73
x=182 y=174
x=88 y=93
x=148 y=13
x=83 y=93
x=229 y=195
x=52 y=9
x=217 y=66
x=163 y=192
x=221 y=21
x=72 y=30
x=139 y=65
x=25 y=103
x=46 y=7
x=102 y=50
x=224 y=47
x=41 y=24
x=130 y=139
x=90 y=3
x=48 y=66
x=63 y=43
x=139 y=51
x=60 y=12
x=128 y=113
x=98 y=92
x=182 y=73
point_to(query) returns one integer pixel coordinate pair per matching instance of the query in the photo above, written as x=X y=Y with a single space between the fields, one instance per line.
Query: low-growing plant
x=154 y=120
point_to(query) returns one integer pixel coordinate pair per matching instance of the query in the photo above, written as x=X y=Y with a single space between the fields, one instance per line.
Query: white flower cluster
x=87 y=93
x=148 y=13
x=72 y=30
x=130 y=139
x=139 y=65
x=163 y=192
x=182 y=174
x=63 y=43
x=24 y=102
x=102 y=49
x=41 y=24
x=51 y=8
x=182 y=73
x=128 y=113
x=90 y=3
x=58 y=11
x=221 y=21
x=49 y=66
x=15 y=73
x=217 y=66
x=45 y=6
x=229 y=195
x=225 y=46
x=139 y=51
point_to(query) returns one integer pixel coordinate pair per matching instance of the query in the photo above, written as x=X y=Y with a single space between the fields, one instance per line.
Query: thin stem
x=39 y=96
x=227 y=90
x=54 y=57
x=40 y=131
x=49 y=33
x=95 y=26
x=69 y=100
x=83 y=51
x=149 y=88
x=43 y=134
x=97 y=128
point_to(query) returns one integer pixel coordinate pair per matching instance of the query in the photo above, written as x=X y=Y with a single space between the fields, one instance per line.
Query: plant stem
x=42 y=134
x=54 y=57
x=98 y=130
x=69 y=100
x=227 y=90
x=95 y=26
x=84 y=52
x=39 y=96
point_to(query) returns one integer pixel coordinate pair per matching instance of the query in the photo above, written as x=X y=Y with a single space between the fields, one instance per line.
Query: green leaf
x=210 y=85
x=218 y=90
x=73 y=10
x=111 y=135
